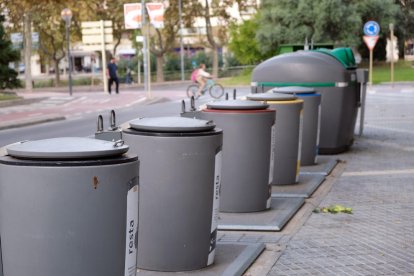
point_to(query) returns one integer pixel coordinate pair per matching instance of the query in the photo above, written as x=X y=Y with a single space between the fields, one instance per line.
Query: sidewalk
x=378 y=183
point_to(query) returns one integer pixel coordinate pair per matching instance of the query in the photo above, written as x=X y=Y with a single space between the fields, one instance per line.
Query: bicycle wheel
x=216 y=91
x=192 y=90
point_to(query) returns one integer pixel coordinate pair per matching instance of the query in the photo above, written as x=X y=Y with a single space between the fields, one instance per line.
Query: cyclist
x=201 y=78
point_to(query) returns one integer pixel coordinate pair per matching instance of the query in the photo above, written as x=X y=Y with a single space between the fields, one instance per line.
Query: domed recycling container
x=68 y=206
x=180 y=175
x=247 y=155
x=287 y=133
x=311 y=121
x=333 y=74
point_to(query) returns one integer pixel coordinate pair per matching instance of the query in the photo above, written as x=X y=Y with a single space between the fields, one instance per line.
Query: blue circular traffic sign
x=371 y=28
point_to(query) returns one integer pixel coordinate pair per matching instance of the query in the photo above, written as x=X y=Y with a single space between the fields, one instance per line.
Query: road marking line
x=382 y=172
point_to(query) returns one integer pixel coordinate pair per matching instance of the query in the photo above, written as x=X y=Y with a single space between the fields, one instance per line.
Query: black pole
x=68 y=56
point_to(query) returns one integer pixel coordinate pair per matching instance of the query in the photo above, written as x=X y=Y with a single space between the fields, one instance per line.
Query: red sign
x=132 y=15
x=370 y=41
x=156 y=14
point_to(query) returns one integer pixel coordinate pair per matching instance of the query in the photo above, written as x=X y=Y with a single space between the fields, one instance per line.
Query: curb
x=20 y=101
x=29 y=122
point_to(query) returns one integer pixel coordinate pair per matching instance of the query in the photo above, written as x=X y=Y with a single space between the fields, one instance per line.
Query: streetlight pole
x=66 y=15
x=181 y=39
x=144 y=46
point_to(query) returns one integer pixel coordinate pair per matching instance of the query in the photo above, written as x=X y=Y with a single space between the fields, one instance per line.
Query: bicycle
x=215 y=90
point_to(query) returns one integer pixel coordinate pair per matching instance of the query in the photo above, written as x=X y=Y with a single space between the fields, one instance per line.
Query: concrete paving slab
x=324 y=166
x=308 y=183
x=231 y=260
x=281 y=210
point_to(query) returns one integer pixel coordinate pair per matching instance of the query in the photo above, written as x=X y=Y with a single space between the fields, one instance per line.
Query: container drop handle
x=211 y=122
x=99 y=124
x=119 y=143
x=182 y=106
x=112 y=120
x=227 y=96
x=234 y=94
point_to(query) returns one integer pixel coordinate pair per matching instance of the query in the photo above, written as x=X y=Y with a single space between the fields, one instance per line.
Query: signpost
x=134 y=18
x=95 y=36
x=371 y=31
x=392 y=52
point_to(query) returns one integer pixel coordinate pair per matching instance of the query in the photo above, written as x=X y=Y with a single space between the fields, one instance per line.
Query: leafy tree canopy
x=8 y=76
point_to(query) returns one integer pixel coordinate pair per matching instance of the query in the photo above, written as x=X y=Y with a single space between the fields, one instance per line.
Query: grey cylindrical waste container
x=179 y=191
x=1 y=262
x=288 y=135
x=333 y=75
x=247 y=127
x=68 y=206
x=311 y=121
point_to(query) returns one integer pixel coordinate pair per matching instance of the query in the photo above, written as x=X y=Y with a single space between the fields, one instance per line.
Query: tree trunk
x=160 y=71
x=28 y=51
x=215 y=62
x=57 y=72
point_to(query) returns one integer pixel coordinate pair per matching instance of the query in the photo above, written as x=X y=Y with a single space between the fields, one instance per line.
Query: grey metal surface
x=237 y=105
x=68 y=220
x=288 y=141
x=231 y=260
x=179 y=190
x=294 y=90
x=1 y=262
x=281 y=210
x=339 y=102
x=66 y=148
x=324 y=166
x=307 y=184
x=300 y=67
x=171 y=124
x=246 y=158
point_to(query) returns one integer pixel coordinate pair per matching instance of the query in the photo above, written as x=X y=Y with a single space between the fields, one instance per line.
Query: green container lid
x=343 y=55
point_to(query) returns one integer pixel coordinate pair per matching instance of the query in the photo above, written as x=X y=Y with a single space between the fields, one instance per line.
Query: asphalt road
x=85 y=125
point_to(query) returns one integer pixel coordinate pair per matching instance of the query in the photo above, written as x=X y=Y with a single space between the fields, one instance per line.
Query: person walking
x=111 y=72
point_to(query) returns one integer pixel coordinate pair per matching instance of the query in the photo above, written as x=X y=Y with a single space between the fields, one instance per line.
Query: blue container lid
x=271 y=97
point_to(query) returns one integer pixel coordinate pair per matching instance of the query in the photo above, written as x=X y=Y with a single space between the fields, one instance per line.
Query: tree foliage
x=243 y=43
x=288 y=21
x=8 y=76
x=338 y=22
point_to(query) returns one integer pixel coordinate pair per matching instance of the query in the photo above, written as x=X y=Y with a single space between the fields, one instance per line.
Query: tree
x=217 y=17
x=32 y=14
x=287 y=21
x=8 y=76
x=163 y=39
x=243 y=43
x=384 y=12
x=336 y=21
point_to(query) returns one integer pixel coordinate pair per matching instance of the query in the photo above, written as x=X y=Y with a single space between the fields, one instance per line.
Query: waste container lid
x=271 y=97
x=171 y=124
x=66 y=148
x=294 y=90
x=237 y=105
